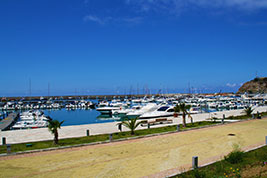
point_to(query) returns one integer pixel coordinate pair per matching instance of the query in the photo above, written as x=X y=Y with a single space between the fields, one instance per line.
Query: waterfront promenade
x=20 y=136
x=157 y=156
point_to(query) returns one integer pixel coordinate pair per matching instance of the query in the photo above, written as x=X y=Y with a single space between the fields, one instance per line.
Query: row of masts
x=132 y=91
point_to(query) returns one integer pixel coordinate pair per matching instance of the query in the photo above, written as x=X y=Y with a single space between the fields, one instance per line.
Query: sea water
x=79 y=116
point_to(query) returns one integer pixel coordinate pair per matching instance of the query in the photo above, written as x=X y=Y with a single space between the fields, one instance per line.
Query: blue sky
x=105 y=47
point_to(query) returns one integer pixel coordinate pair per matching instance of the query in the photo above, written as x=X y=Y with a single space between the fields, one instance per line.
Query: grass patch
x=252 y=164
x=98 y=138
x=236 y=156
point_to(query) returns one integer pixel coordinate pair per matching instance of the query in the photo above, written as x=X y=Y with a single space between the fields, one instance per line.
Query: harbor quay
x=41 y=134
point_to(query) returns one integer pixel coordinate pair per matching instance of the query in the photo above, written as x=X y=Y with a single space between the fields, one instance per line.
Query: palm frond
x=131 y=124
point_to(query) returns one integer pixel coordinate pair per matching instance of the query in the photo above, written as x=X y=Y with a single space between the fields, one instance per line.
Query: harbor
x=36 y=113
x=138 y=89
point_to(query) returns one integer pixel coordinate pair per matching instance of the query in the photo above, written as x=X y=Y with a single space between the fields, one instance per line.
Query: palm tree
x=182 y=108
x=248 y=111
x=52 y=127
x=176 y=111
x=131 y=124
x=191 y=118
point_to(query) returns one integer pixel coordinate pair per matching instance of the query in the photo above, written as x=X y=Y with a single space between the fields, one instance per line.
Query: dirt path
x=153 y=157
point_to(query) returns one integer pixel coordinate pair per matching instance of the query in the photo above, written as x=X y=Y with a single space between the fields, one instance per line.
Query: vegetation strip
x=236 y=164
x=210 y=163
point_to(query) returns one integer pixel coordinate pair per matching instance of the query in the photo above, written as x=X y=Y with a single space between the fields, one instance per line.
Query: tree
x=131 y=124
x=248 y=111
x=53 y=127
x=191 y=118
x=182 y=108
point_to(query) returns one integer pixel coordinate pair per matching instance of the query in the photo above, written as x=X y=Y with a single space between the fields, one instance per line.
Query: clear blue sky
x=107 y=46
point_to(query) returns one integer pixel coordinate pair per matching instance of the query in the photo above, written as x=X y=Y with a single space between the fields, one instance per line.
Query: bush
x=214 y=119
x=231 y=117
x=256 y=79
x=198 y=174
x=236 y=156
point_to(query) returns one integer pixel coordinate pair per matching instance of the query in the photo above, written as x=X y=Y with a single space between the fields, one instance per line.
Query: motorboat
x=103 y=104
x=195 y=110
x=118 y=104
x=136 y=100
x=163 y=111
x=124 y=111
x=31 y=119
x=107 y=109
x=147 y=108
x=30 y=124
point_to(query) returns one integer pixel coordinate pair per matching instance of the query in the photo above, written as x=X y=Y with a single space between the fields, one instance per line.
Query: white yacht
x=136 y=100
x=124 y=111
x=103 y=104
x=118 y=104
x=31 y=119
x=147 y=108
x=30 y=124
x=163 y=111
x=195 y=110
x=107 y=109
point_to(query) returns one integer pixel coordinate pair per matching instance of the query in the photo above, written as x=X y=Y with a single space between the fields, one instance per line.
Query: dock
x=6 y=123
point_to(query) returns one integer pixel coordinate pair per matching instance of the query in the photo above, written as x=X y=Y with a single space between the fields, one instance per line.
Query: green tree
x=182 y=107
x=191 y=118
x=53 y=127
x=131 y=124
x=248 y=111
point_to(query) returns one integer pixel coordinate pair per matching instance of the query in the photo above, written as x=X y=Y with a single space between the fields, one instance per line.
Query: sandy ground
x=148 y=157
x=20 y=136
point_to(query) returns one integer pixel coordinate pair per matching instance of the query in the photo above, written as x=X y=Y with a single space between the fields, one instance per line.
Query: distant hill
x=258 y=85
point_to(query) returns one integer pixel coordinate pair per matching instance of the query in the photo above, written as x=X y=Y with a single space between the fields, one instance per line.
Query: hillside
x=258 y=85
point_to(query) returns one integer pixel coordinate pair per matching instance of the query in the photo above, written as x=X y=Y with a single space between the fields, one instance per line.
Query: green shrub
x=219 y=167
x=231 y=117
x=236 y=156
x=198 y=174
x=214 y=119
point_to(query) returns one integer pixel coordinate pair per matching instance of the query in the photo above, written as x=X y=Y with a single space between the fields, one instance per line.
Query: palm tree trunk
x=184 y=123
x=56 y=138
x=132 y=132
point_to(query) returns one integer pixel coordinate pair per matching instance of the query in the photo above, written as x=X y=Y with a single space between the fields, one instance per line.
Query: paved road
x=153 y=157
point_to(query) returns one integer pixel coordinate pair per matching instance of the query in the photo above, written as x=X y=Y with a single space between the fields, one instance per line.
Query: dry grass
x=257 y=170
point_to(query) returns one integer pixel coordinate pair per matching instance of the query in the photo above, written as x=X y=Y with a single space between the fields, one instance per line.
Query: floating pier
x=6 y=123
